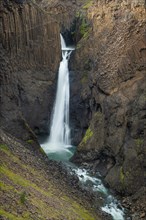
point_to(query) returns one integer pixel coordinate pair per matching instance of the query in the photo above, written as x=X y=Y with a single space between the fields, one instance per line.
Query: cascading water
x=111 y=204
x=58 y=145
x=60 y=131
x=59 y=139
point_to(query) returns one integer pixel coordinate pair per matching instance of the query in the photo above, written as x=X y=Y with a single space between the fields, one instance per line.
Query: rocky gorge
x=108 y=84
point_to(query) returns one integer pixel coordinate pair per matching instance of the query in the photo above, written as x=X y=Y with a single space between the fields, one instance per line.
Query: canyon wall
x=30 y=54
x=109 y=74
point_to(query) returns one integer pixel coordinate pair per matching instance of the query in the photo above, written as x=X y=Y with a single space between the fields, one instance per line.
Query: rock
x=114 y=107
x=30 y=41
x=142 y=215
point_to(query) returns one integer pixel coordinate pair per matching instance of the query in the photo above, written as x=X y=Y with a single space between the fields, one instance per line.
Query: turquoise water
x=63 y=155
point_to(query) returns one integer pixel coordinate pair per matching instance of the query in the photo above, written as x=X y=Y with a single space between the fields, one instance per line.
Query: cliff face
x=110 y=69
x=30 y=55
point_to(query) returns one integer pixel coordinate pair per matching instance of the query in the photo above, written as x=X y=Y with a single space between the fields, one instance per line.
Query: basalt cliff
x=110 y=75
x=110 y=65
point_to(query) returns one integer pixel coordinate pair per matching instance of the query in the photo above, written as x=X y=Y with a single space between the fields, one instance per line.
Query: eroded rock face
x=111 y=62
x=30 y=54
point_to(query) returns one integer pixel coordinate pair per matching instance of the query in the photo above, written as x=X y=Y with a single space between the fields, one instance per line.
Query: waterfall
x=58 y=145
x=59 y=139
x=63 y=44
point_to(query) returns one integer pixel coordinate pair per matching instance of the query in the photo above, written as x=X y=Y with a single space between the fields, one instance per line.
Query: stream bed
x=94 y=184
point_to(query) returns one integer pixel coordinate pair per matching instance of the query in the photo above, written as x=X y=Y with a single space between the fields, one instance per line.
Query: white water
x=59 y=139
x=112 y=205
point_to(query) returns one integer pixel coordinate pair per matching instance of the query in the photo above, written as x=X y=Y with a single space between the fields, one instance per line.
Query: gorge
x=58 y=144
x=107 y=108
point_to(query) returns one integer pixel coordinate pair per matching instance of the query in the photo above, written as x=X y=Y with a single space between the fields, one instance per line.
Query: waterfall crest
x=59 y=139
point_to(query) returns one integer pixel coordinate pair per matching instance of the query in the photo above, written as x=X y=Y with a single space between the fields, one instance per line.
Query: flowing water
x=58 y=145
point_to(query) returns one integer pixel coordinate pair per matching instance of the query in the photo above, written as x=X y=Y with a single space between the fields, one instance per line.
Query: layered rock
x=110 y=65
x=30 y=54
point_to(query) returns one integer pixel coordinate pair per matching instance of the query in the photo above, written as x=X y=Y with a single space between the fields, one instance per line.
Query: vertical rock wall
x=29 y=35
x=29 y=59
x=110 y=69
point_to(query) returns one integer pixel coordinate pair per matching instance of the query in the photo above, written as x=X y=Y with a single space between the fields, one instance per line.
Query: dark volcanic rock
x=113 y=90
x=30 y=55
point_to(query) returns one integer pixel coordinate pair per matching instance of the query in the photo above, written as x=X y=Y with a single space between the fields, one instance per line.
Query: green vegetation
x=3 y=147
x=23 y=197
x=88 y=4
x=82 y=212
x=78 y=14
x=43 y=199
x=139 y=142
x=30 y=141
x=79 y=45
x=84 y=28
x=10 y=216
x=17 y=179
x=26 y=215
x=4 y=187
x=65 y=205
x=98 y=115
x=18 y=161
x=87 y=136
x=42 y=151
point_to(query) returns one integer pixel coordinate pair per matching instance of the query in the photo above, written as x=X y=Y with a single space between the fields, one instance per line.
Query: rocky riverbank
x=32 y=187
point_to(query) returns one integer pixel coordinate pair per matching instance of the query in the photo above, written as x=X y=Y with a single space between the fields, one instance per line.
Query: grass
x=5 y=187
x=10 y=216
x=66 y=206
x=19 y=180
x=3 y=147
x=18 y=161
x=33 y=192
x=23 y=197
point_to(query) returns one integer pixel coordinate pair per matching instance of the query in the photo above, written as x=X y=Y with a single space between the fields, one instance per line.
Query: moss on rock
x=30 y=141
x=88 y=135
x=88 y=4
